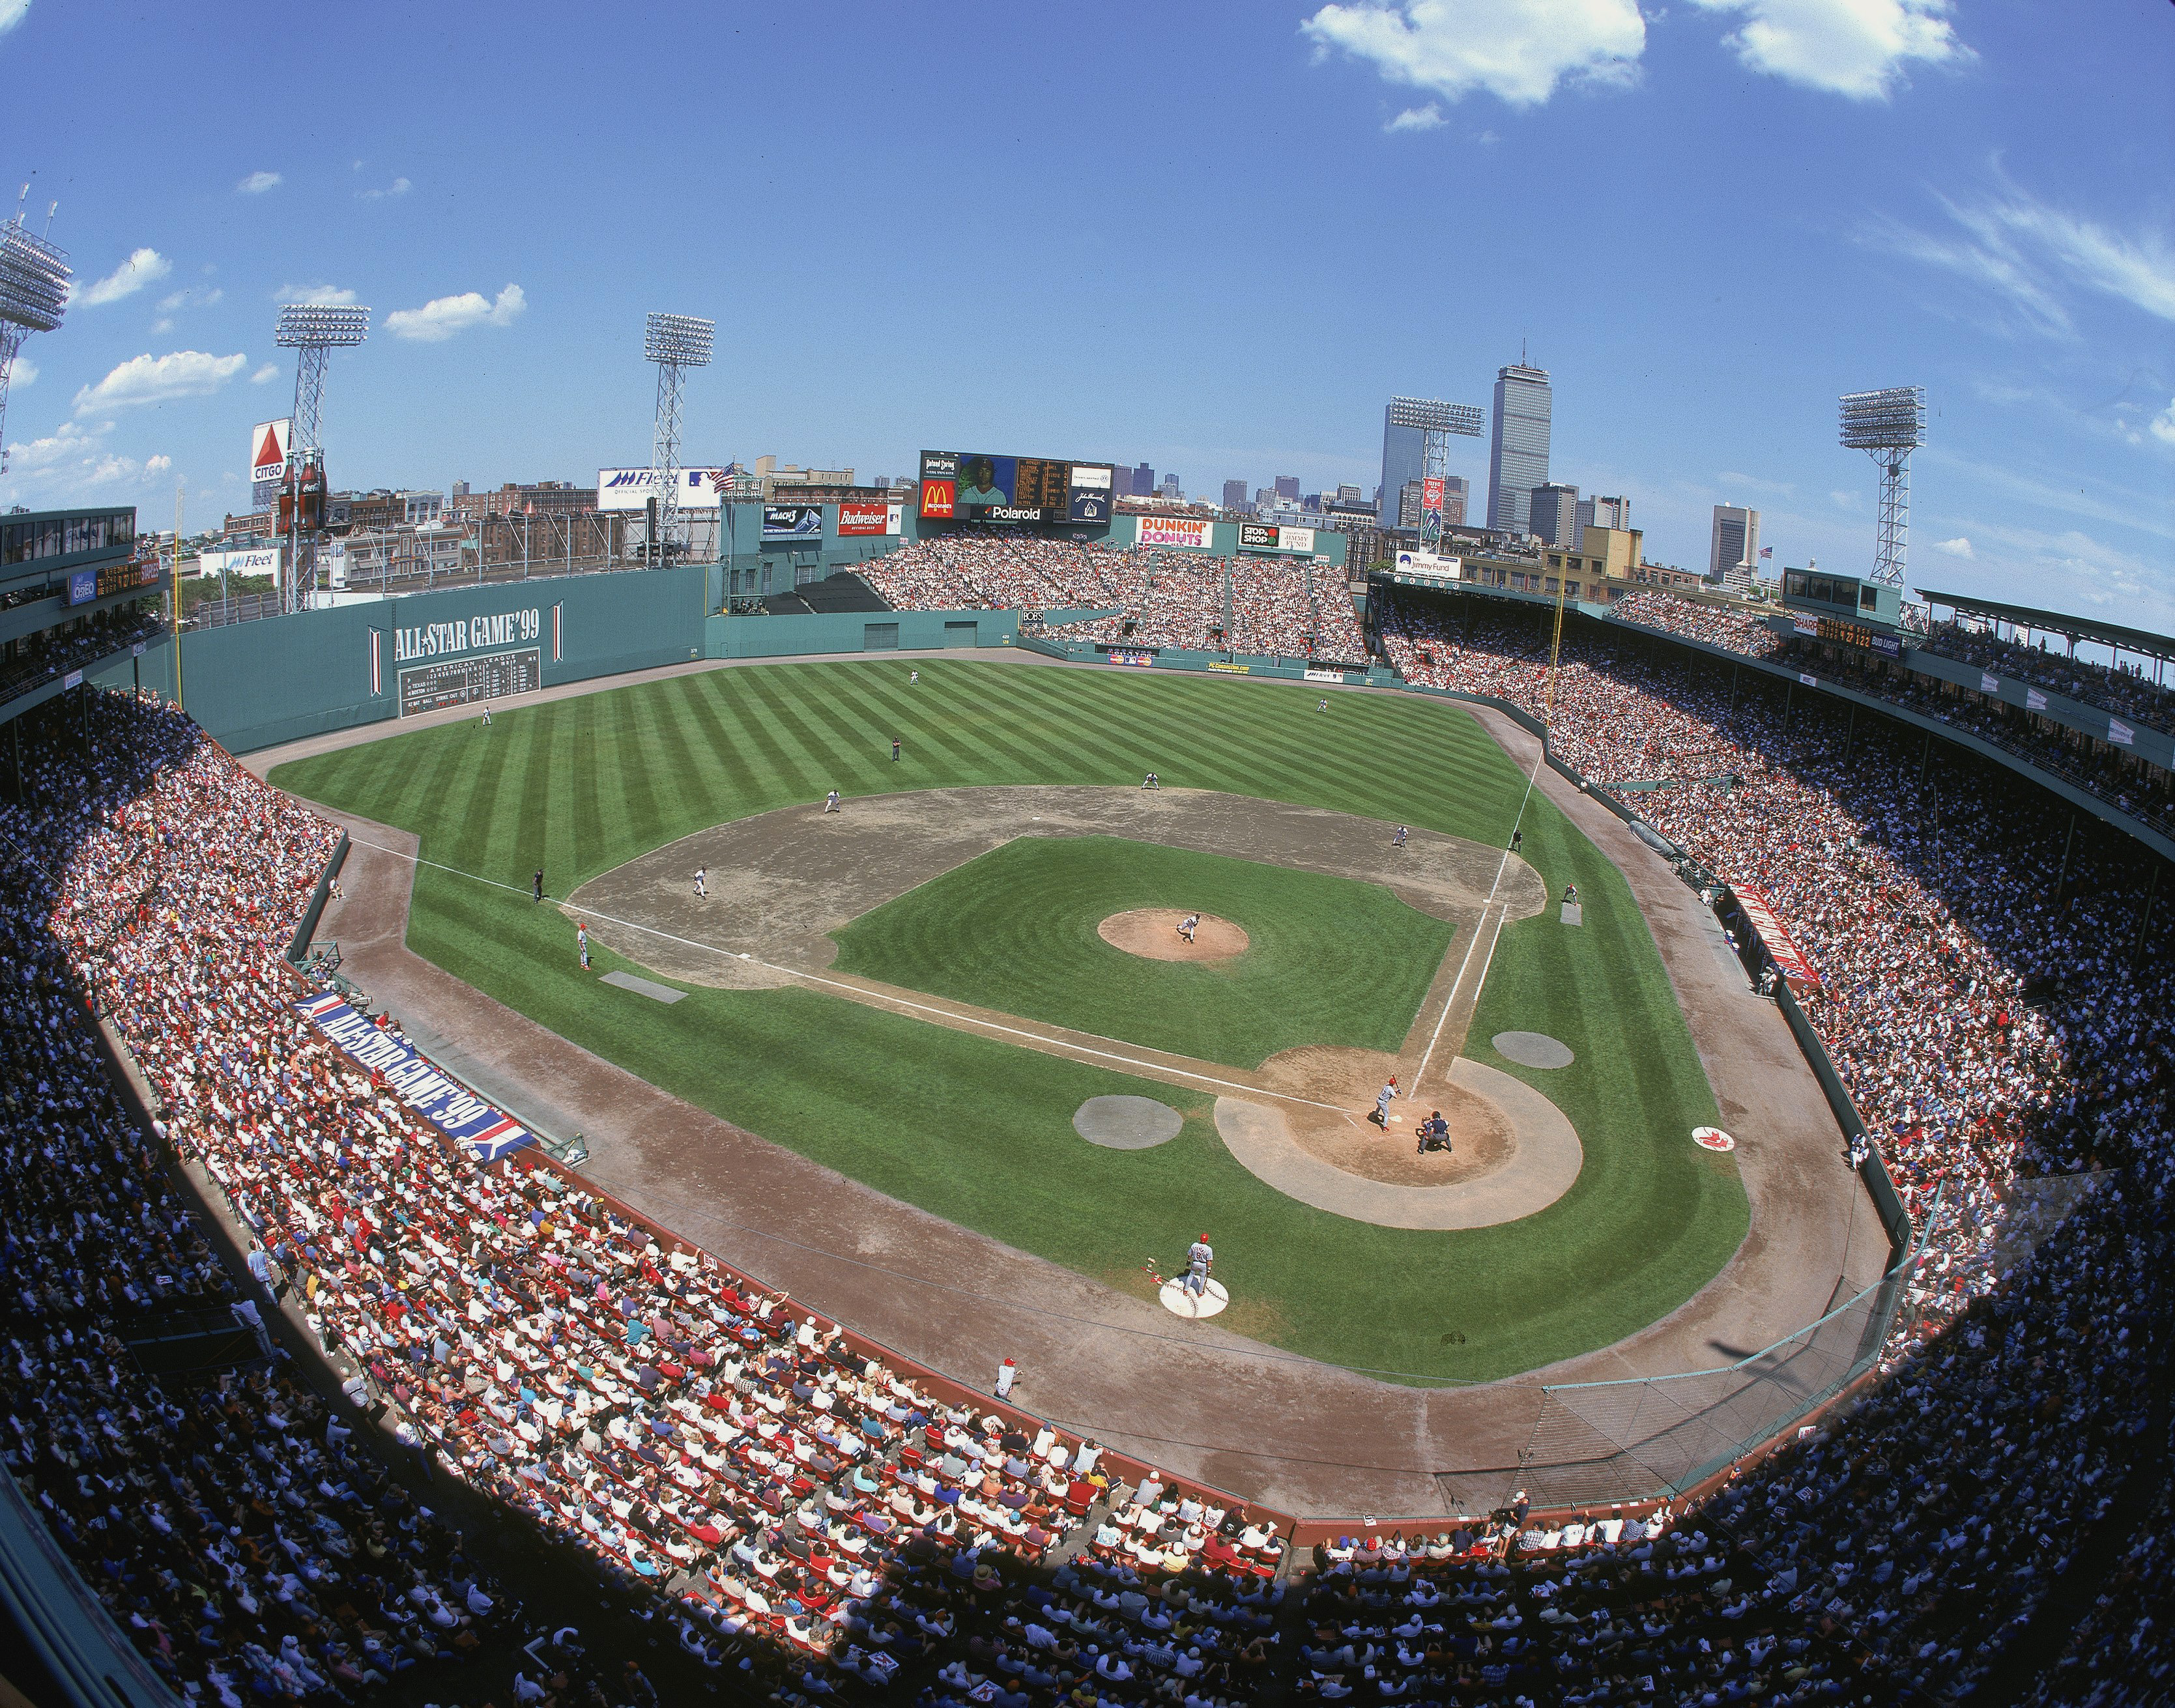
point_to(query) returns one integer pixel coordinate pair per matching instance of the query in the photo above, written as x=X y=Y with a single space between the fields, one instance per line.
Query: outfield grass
x=579 y=786
x=1328 y=961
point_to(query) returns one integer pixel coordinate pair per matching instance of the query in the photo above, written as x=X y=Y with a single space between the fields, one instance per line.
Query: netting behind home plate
x=1656 y=1436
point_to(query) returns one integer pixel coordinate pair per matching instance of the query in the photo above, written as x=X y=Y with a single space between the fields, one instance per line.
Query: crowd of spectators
x=37 y=658
x=1718 y=625
x=999 y=570
x=1151 y=598
x=2124 y=689
x=777 y=1493
x=706 y=1442
x=2002 y=1028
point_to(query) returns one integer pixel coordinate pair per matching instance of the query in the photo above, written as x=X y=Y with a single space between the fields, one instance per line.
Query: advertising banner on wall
x=262 y=560
x=267 y=460
x=1089 y=498
x=447 y=1103
x=631 y=489
x=865 y=518
x=940 y=483
x=1257 y=536
x=793 y=521
x=1790 y=961
x=1431 y=509
x=1180 y=531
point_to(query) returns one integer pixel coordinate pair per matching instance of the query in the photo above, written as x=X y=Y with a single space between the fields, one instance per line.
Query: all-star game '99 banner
x=448 y=1105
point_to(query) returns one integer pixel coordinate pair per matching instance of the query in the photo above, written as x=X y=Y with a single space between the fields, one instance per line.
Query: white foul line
x=1501 y=866
x=875 y=998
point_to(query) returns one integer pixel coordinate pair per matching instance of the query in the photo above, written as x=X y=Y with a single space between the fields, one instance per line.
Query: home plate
x=1193 y=1306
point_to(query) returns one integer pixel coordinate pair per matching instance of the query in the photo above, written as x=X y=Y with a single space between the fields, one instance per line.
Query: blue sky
x=1213 y=237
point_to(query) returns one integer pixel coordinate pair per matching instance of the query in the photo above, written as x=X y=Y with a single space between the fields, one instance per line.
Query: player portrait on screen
x=977 y=483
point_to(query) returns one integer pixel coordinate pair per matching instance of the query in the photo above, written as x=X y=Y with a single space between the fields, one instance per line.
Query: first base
x=1193 y=1306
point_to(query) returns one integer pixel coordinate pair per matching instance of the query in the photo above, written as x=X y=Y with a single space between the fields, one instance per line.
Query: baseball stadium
x=1009 y=1109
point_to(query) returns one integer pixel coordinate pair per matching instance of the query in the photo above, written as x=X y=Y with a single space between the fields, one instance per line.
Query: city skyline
x=1898 y=218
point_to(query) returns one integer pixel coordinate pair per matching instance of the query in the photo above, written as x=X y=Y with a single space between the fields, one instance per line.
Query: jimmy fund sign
x=478 y=658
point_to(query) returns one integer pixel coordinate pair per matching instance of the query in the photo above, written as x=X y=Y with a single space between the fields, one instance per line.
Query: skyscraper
x=1734 y=555
x=1288 y=487
x=1554 y=514
x=1606 y=513
x=1402 y=460
x=1518 y=453
x=1143 y=481
x=1234 y=494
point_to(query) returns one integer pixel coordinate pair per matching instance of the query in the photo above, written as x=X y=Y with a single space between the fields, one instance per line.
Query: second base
x=1193 y=1306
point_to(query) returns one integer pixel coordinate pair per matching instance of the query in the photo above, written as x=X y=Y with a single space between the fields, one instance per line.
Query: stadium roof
x=2128 y=640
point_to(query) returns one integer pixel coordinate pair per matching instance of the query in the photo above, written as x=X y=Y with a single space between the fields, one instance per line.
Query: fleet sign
x=631 y=489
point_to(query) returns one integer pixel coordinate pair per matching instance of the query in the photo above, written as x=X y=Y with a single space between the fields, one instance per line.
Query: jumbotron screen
x=985 y=486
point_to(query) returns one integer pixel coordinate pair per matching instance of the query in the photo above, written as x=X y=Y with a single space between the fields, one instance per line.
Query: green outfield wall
x=255 y=685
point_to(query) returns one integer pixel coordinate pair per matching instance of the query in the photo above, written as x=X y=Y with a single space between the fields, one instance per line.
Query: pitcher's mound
x=1152 y=933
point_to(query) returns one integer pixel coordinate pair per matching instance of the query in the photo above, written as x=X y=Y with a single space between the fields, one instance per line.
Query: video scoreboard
x=985 y=486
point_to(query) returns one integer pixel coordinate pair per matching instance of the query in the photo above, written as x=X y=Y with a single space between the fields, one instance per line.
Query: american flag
x=1766 y=551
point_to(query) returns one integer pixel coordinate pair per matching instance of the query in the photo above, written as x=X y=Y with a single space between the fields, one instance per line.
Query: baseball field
x=852 y=1050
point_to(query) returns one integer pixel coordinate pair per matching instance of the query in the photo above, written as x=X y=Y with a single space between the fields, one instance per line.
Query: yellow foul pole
x=173 y=579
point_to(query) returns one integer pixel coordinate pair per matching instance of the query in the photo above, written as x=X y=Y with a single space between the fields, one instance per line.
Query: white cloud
x=1856 y=48
x=1488 y=139
x=2163 y=424
x=315 y=295
x=1958 y=547
x=157 y=465
x=1416 y=118
x=399 y=187
x=26 y=373
x=147 y=379
x=145 y=267
x=71 y=462
x=270 y=371
x=1516 y=50
x=12 y=13
x=442 y=317
x=256 y=183
x=2020 y=247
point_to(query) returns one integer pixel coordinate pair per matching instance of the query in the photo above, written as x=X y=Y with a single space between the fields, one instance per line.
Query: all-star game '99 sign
x=987 y=487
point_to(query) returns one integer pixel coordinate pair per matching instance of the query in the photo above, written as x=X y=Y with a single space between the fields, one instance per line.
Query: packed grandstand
x=1134 y=597
x=791 y=1516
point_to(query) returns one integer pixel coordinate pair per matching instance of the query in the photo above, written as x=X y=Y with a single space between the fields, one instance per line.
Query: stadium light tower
x=34 y=293
x=313 y=333
x=674 y=342
x=1888 y=425
x=1435 y=422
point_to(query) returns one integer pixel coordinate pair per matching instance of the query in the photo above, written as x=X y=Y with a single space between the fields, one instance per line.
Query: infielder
x=702 y=889
x=831 y=801
x=1188 y=926
x=1398 y=840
